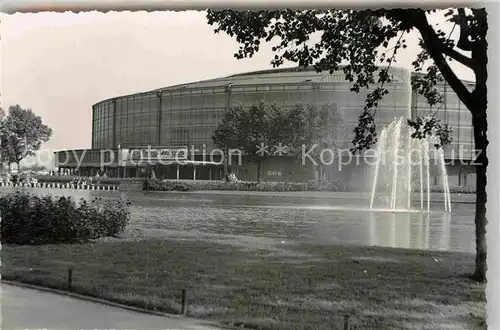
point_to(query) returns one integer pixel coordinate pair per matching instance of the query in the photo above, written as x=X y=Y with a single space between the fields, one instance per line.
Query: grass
x=294 y=287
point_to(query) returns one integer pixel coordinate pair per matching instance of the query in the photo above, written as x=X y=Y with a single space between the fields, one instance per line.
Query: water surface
x=323 y=220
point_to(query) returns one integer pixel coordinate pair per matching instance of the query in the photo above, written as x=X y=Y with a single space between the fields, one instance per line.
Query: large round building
x=179 y=120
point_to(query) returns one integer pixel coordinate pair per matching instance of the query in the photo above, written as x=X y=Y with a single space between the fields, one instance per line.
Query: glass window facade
x=454 y=113
x=128 y=121
x=188 y=116
x=103 y=124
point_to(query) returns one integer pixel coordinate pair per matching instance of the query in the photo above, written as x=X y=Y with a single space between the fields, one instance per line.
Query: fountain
x=403 y=168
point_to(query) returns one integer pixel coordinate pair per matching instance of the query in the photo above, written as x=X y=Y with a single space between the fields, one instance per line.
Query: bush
x=156 y=185
x=323 y=185
x=314 y=185
x=453 y=190
x=462 y=190
x=32 y=220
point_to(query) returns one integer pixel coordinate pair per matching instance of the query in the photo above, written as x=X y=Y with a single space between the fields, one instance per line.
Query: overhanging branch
x=467 y=61
x=435 y=49
x=463 y=42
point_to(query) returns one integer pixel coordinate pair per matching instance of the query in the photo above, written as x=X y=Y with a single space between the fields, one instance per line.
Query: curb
x=113 y=304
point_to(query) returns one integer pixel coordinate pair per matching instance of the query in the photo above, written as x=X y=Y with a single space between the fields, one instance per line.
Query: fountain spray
x=380 y=155
x=408 y=166
x=396 y=141
x=392 y=174
x=421 y=165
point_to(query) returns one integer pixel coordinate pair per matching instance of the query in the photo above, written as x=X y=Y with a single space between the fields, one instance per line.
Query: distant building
x=179 y=119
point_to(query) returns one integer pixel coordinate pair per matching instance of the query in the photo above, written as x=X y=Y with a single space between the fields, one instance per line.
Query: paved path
x=33 y=309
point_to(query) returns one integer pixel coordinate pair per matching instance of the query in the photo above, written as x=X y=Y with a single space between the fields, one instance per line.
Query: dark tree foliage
x=357 y=42
x=264 y=130
x=22 y=133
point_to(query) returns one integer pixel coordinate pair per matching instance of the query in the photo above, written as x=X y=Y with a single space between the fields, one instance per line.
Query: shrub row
x=317 y=185
x=157 y=185
x=32 y=220
x=453 y=190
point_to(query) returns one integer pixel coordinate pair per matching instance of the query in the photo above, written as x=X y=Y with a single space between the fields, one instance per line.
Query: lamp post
x=119 y=160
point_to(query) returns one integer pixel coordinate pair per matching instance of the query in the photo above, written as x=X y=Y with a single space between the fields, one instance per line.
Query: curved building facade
x=186 y=115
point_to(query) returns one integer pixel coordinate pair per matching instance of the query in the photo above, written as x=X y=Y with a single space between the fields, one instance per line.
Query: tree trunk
x=480 y=143
x=225 y=159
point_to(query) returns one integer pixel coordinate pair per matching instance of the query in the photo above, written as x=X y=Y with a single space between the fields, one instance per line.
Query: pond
x=260 y=219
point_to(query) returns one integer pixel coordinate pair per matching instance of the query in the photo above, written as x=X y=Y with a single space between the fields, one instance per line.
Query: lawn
x=294 y=287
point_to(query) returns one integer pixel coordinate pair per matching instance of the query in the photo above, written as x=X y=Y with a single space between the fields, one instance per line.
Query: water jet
x=403 y=168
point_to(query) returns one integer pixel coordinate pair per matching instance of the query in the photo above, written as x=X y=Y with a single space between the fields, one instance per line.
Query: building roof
x=294 y=75
x=282 y=76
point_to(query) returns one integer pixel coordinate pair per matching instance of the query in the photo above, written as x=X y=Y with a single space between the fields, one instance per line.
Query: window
x=185 y=102
x=205 y=101
x=220 y=100
x=136 y=105
x=249 y=89
x=121 y=121
x=453 y=117
x=153 y=119
x=175 y=103
x=137 y=119
x=119 y=109
x=465 y=118
x=127 y=108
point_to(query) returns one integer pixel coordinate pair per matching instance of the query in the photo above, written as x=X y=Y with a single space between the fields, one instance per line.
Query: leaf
x=426 y=127
x=350 y=40
x=22 y=133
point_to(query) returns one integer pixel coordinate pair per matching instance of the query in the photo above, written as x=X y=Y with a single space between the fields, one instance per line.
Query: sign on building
x=155 y=155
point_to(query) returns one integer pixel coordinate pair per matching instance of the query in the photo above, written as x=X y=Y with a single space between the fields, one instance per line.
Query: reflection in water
x=445 y=232
x=313 y=220
x=372 y=234
x=427 y=232
x=410 y=230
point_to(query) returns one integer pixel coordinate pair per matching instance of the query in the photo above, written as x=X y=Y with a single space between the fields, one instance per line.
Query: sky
x=60 y=64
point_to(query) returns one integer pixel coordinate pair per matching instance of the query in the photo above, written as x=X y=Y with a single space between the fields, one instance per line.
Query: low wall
x=70 y=178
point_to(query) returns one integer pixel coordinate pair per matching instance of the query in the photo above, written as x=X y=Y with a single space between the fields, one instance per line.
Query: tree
x=22 y=134
x=35 y=168
x=264 y=130
x=314 y=128
x=326 y=39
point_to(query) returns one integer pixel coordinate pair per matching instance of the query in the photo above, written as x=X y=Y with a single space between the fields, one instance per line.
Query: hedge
x=157 y=185
x=32 y=220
